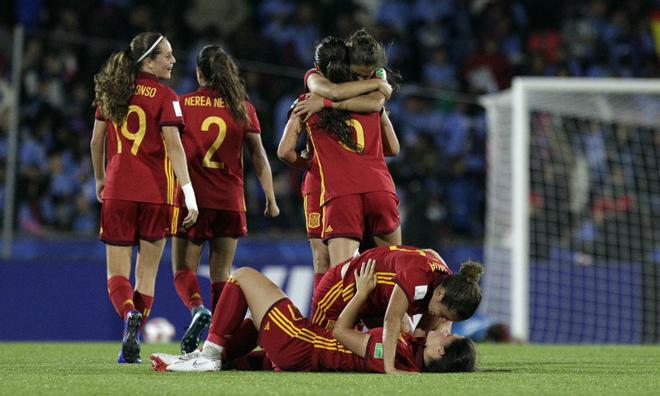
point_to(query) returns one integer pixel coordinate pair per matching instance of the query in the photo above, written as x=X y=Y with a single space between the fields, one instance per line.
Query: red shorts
x=350 y=216
x=210 y=224
x=327 y=303
x=281 y=335
x=313 y=214
x=126 y=222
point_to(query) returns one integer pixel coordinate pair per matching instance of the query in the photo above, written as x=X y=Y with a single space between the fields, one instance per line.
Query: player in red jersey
x=370 y=97
x=293 y=343
x=331 y=61
x=219 y=120
x=136 y=154
x=409 y=281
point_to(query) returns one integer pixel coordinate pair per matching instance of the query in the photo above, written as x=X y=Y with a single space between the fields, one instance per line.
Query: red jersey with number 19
x=213 y=142
x=347 y=172
x=138 y=168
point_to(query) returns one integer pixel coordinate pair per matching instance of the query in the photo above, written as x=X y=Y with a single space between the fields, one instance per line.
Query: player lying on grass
x=410 y=281
x=294 y=343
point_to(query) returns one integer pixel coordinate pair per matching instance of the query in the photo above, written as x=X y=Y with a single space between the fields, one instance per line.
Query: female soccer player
x=219 y=119
x=356 y=187
x=137 y=128
x=409 y=281
x=293 y=343
x=365 y=96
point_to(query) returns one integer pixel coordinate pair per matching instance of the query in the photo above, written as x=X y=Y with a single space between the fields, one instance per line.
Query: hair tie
x=150 y=49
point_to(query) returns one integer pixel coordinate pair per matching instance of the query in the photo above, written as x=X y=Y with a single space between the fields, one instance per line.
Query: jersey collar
x=146 y=76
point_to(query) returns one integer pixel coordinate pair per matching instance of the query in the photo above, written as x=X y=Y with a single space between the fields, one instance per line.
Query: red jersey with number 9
x=344 y=171
x=213 y=141
x=138 y=168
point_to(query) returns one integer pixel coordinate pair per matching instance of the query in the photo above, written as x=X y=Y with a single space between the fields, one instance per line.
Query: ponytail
x=114 y=85
x=221 y=73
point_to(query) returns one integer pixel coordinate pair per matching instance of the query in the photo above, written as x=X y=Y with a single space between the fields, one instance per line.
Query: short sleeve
x=171 y=113
x=309 y=73
x=99 y=114
x=413 y=280
x=255 y=126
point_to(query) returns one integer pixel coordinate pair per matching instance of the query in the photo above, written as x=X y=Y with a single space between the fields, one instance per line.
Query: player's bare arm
x=97 y=148
x=344 y=332
x=264 y=174
x=286 y=150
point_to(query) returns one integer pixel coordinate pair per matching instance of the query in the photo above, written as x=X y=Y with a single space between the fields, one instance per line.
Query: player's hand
x=365 y=277
x=191 y=218
x=385 y=88
x=271 y=209
x=312 y=104
x=100 y=185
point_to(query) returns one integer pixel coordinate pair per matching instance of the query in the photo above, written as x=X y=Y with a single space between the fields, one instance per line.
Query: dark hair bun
x=472 y=271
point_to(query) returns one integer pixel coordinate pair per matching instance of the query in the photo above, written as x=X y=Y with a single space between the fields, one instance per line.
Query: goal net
x=572 y=249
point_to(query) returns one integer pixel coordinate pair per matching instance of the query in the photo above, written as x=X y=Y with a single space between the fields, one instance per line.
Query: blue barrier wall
x=56 y=290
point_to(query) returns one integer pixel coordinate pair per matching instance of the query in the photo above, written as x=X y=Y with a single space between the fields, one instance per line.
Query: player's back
x=138 y=168
x=346 y=171
x=213 y=142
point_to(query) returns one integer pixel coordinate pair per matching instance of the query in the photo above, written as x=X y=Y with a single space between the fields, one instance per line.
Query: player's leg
x=221 y=257
x=119 y=230
x=146 y=269
x=246 y=288
x=154 y=223
x=321 y=257
x=185 y=261
x=341 y=249
x=382 y=217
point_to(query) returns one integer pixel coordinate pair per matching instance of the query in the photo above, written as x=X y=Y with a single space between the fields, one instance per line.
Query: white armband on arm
x=189 y=195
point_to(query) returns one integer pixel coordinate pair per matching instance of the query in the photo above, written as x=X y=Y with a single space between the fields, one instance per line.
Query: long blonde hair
x=114 y=84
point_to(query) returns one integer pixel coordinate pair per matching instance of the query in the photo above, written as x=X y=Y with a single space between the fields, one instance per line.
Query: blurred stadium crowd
x=448 y=51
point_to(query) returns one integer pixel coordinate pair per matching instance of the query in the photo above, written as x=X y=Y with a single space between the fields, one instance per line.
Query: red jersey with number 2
x=213 y=141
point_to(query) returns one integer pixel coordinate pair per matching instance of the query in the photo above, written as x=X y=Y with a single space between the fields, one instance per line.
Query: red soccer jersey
x=408 y=354
x=416 y=271
x=311 y=182
x=213 y=142
x=344 y=171
x=138 y=168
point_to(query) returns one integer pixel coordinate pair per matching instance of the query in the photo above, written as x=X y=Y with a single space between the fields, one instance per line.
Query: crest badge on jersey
x=314 y=220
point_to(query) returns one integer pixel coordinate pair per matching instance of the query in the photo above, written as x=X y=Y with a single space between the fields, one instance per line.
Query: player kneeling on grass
x=294 y=343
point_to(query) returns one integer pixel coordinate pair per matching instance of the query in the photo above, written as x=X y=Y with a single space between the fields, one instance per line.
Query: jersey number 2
x=222 y=134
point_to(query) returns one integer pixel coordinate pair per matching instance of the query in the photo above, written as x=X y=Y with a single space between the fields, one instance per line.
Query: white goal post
x=572 y=192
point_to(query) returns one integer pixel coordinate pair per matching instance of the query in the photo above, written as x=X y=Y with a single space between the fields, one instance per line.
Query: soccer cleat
x=200 y=322
x=199 y=364
x=130 y=343
x=160 y=361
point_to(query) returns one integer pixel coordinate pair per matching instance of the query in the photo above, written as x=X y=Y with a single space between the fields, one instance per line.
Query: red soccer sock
x=121 y=295
x=187 y=287
x=143 y=304
x=216 y=291
x=234 y=306
x=243 y=341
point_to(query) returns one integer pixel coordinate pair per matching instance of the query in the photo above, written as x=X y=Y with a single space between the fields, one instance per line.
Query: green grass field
x=89 y=368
